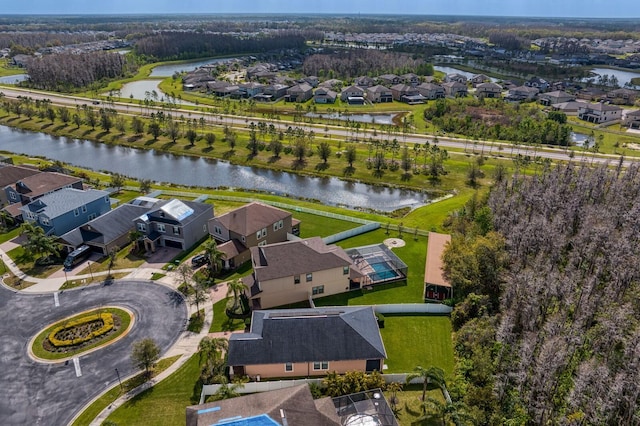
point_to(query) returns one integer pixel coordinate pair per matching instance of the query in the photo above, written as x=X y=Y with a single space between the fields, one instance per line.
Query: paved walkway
x=186 y=345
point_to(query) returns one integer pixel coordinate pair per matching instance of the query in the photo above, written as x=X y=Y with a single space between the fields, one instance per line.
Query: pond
x=138 y=89
x=195 y=171
x=623 y=77
x=169 y=69
x=359 y=118
x=580 y=139
x=451 y=70
x=13 y=79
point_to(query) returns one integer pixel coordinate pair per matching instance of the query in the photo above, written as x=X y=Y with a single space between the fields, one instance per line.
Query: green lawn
x=417 y=340
x=29 y=267
x=9 y=235
x=320 y=226
x=165 y=403
x=220 y=320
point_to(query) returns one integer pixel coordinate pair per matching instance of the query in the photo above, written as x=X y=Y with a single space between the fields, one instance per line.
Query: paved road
x=50 y=394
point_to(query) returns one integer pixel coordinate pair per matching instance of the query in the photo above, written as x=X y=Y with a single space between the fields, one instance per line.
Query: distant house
x=379 y=94
x=599 y=113
x=174 y=223
x=488 y=90
x=63 y=210
x=436 y=287
x=404 y=92
x=365 y=81
x=569 y=108
x=250 y=89
x=522 y=93
x=632 y=120
x=410 y=78
x=272 y=92
x=308 y=342
x=389 y=79
x=537 y=82
x=311 y=80
x=479 y=79
x=34 y=186
x=294 y=271
x=299 y=93
x=430 y=90
x=10 y=174
x=323 y=95
x=254 y=224
x=351 y=92
x=455 y=89
x=555 y=97
x=105 y=232
x=333 y=84
x=290 y=406
x=623 y=96
x=455 y=78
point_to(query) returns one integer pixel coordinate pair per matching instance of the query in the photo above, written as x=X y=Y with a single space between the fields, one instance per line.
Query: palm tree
x=38 y=243
x=215 y=257
x=235 y=288
x=227 y=390
x=428 y=375
x=212 y=347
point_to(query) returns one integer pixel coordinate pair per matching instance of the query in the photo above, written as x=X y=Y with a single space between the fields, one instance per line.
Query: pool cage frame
x=370 y=403
x=366 y=257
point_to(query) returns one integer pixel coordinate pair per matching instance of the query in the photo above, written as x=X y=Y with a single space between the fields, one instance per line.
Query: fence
x=351 y=233
x=413 y=308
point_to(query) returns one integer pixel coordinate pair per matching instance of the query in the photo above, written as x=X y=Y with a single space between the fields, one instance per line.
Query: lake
x=622 y=76
x=451 y=70
x=195 y=171
x=139 y=89
x=13 y=79
x=359 y=118
x=169 y=69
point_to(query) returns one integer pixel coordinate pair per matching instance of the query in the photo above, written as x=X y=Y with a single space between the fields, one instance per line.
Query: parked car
x=199 y=260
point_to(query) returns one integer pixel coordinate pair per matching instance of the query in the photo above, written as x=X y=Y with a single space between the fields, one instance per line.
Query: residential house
x=522 y=93
x=555 y=97
x=436 y=286
x=290 y=406
x=537 y=82
x=272 y=92
x=36 y=185
x=365 y=81
x=250 y=89
x=174 y=223
x=333 y=84
x=308 y=342
x=323 y=95
x=405 y=93
x=455 y=78
x=632 y=119
x=61 y=211
x=569 y=108
x=352 y=95
x=10 y=174
x=455 y=89
x=389 y=79
x=623 y=96
x=295 y=271
x=599 y=113
x=488 y=90
x=311 y=80
x=410 y=78
x=379 y=94
x=299 y=93
x=261 y=71
x=479 y=79
x=430 y=90
x=254 y=224
x=107 y=231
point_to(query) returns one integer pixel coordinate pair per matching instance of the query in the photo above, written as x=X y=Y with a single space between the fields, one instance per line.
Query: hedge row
x=107 y=326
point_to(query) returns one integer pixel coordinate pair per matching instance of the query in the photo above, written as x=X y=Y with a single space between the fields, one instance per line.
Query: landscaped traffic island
x=81 y=333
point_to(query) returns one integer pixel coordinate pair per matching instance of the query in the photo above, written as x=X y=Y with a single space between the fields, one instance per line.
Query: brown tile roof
x=296 y=404
x=14 y=209
x=251 y=218
x=295 y=258
x=11 y=174
x=232 y=248
x=433 y=267
x=44 y=182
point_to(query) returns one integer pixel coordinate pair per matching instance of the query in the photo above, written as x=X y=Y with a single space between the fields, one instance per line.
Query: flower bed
x=81 y=330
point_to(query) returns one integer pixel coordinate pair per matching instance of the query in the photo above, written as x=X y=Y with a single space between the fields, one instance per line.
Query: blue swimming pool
x=383 y=271
x=261 y=420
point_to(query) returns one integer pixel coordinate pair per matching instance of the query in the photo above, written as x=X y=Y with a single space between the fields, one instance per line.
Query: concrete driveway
x=50 y=394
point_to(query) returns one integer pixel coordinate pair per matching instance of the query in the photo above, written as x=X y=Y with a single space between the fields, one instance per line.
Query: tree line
x=30 y=41
x=174 y=45
x=547 y=283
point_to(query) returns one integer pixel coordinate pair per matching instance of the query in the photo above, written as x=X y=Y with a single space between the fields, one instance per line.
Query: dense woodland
x=346 y=64
x=67 y=71
x=548 y=281
x=31 y=41
x=184 y=45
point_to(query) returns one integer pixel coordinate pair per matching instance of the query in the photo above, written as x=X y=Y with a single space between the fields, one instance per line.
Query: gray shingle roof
x=63 y=201
x=178 y=211
x=307 y=335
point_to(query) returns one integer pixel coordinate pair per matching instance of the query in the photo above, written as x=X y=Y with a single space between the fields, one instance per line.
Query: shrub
x=107 y=325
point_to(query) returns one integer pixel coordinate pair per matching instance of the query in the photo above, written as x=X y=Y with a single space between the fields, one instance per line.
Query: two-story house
x=403 y=91
x=455 y=77
x=299 y=93
x=365 y=81
x=430 y=90
x=34 y=186
x=352 y=92
x=379 y=94
x=479 y=79
x=538 y=83
x=294 y=271
x=522 y=93
x=389 y=79
x=488 y=90
x=323 y=95
x=623 y=96
x=174 y=223
x=632 y=119
x=308 y=342
x=63 y=210
x=410 y=78
x=555 y=97
x=254 y=224
x=599 y=112
x=10 y=174
x=455 y=89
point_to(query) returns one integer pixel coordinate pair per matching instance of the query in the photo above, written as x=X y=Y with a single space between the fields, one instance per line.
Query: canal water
x=195 y=171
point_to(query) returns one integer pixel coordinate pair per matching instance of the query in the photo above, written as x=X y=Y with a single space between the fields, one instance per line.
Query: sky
x=538 y=8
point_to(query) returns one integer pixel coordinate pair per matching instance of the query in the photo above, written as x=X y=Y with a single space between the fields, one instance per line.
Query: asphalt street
x=50 y=394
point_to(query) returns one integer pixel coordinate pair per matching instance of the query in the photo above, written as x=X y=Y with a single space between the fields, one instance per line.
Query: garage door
x=175 y=244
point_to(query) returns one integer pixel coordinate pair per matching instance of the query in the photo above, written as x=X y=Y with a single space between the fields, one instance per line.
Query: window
x=176 y=230
x=261 y=233
x=142 y=227
x=106 y=199
x=44 y=220
x=12 y=195
x=345 y=270
x=324 y=365
x=91 y=216
x=84 y=209
x=161 y=227
x=288 y=367
x=275 y=226
x=317 y=290
x=76 y=212
x=262 y=243
x=309 y=277
x=217 y=230
x=280 y=224
x=296 y=279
